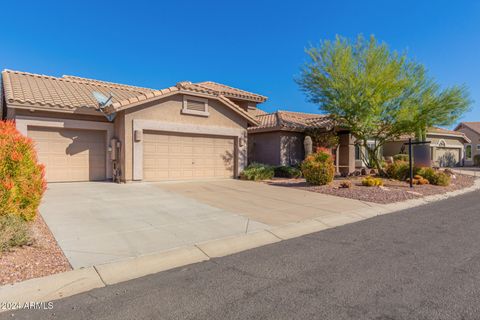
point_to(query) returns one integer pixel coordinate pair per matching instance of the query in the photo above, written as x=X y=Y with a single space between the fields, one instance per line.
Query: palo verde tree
x=375 y=93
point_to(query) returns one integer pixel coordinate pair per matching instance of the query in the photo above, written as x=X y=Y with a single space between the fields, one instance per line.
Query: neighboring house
x=472 y=148
x=187 y=131
x=279 y=139
x=446 y=147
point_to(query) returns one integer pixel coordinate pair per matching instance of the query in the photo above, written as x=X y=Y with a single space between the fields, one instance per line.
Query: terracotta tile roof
x=289 y=120
x=439 y=131
x=256 y=112
x=67 y=93
x=231 y=92
x=70 y=93
x=475 y=126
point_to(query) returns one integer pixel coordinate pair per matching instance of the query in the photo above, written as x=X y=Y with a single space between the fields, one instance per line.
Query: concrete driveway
x=96 y=223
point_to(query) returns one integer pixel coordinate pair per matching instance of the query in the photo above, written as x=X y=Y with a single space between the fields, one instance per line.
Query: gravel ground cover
x=41 y=258
x=392 y=191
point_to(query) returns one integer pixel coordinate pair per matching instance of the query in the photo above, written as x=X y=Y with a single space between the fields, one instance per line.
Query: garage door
x=176 y=156
x=70 y=155
x=448 y=157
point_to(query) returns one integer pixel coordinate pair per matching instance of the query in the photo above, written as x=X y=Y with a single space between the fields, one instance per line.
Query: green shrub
x=400 y=157
x=400 y=170
x=442 y=179
x=287 y=172
x=257 y=171
x=435 y=177
x=13 y=232
x=318 y=168
x=372 y=182
x=22 y=181
x=476 y=160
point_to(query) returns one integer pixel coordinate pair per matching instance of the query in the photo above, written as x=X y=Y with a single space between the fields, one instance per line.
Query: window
x=195 y=106
x=468 y=152
x=442 y=143
x=478 y=147
x=357 y=152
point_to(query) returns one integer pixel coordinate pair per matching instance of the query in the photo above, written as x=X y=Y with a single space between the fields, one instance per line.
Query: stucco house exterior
x=279 y=139
x=187 y=131
x=446 y=147
x=472 y=131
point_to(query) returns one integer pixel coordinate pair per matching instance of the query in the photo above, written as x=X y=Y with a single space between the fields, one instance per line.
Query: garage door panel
x=70 y=155
x=188 y=157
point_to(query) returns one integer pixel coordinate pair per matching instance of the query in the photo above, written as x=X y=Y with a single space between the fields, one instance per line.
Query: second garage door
x=177 y=156
x=448 y=157
x=70 y=155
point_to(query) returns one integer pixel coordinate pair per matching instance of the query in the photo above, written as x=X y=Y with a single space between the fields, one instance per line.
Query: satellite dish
x=103 y=102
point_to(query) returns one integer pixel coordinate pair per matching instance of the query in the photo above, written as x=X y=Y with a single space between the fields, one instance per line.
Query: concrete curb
x=52 y=287
x=81 y=280
x=227 y=246
x=115 y=272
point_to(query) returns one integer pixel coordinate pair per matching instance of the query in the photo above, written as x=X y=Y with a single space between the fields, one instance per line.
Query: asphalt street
x=421 y=263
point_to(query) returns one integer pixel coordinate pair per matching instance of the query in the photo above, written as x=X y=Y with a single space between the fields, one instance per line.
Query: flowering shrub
x=22 y=179
x=318 y=168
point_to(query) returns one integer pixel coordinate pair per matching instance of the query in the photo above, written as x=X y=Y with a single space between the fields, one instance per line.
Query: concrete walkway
x=97 y=223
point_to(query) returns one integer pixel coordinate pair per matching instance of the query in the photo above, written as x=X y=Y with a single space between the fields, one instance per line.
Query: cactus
x=308 y=145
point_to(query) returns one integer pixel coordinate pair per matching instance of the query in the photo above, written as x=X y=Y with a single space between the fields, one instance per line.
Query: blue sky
x=254 y=45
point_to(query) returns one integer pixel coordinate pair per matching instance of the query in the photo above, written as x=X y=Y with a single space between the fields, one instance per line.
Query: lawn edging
x=76 y=281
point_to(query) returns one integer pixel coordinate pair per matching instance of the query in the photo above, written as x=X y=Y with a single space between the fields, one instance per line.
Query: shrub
x=346 y=184
x=13 y=232
x=442 y=179
x=435 y=177
x=257 y=171
x=287 y=172
x=22 y=181
x=400 y=170
x=372 y=182
x=476 y=160
x=400 y=157
x=318 y=168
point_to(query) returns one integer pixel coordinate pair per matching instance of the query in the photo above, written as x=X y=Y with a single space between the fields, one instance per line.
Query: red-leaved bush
x=22 y=178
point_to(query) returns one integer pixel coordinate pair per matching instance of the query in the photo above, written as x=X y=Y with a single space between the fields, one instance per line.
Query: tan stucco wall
x=291 y=148
x=169 y=110
x=475 y=138
x=57 y=115
x=264 y=147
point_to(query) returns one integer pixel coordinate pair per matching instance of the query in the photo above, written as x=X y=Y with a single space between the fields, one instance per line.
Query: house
x=472 y=131
x=187 y=131
x=446 y=147
x=279 y=139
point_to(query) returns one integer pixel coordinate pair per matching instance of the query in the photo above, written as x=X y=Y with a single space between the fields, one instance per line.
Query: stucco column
x=346 y=152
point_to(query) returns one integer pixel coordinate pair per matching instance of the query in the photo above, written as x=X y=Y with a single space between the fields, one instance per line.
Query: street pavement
x=421 y=263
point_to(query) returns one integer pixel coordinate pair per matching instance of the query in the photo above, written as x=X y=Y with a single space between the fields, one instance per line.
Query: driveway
x=96 y=223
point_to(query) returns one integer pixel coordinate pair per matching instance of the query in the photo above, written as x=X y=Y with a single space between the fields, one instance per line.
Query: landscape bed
x=392 y=191
x=41 y=258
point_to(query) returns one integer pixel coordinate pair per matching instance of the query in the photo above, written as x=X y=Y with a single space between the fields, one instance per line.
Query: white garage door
x=448 y=157
x=70 y=155
x=177 y=156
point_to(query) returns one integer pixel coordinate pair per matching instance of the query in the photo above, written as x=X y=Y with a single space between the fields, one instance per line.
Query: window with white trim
x=195 y=106
x=478 y=147
x=468 y=152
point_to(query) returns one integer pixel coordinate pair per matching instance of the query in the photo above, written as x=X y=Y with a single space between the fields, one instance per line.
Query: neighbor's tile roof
x=475 y=126
x=439 y=131
x=289 y=120
x=70 y=93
